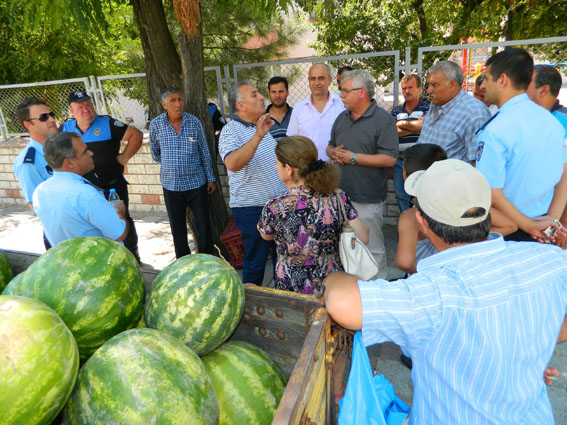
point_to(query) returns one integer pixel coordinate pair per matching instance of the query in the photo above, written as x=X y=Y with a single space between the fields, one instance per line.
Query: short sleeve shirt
x=258 y=180
x=31 y=168
x=69 y=207
x=481 y=323
x=374 y=132
x=521 y=151
x=103 y=138
x=306 y=229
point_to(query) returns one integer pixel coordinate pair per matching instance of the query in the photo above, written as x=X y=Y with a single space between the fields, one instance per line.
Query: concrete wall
x=142 y=173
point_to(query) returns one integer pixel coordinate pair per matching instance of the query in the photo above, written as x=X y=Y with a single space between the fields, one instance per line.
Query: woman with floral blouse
x=304 y=222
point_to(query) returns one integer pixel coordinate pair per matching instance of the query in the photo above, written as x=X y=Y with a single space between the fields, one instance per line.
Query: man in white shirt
x=314 y=116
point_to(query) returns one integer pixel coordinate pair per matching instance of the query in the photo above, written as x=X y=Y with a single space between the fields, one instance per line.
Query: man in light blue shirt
x=481 y=318
x=68 y=205
x=30 y=166
x=521 y=150
x=454 y=116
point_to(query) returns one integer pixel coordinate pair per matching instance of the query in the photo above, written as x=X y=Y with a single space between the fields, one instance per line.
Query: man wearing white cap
x=480 y=318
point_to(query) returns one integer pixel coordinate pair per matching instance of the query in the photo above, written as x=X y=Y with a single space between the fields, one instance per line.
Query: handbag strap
x=342 y=213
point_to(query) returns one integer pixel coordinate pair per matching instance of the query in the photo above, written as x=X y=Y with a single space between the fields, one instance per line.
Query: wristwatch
x=353 y=159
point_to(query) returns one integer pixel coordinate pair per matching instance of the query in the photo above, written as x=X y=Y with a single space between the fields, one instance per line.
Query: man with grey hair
x=454 y=117
x=314 y=116
x=179 y=145
x=68 y=205
x=364 y=141
x=248 y=151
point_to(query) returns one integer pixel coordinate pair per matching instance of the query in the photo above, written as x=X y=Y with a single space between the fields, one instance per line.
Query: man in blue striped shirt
x=248 y=150
x=178 y=143
x=481 y=318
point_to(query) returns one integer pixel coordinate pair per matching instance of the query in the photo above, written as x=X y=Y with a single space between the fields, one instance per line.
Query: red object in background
x=232 y=241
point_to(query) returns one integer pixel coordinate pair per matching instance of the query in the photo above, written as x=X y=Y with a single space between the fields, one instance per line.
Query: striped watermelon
x=39 y=362
x=141 y=377
x=94 y=284
x=198 y=299
x=248 y=383
x=5 y=271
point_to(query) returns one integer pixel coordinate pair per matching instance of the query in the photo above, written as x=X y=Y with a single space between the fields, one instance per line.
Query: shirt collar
x=368 y=112
x=36 y=145
x=489 y=247
x=556 y=106
x=513 y=101
x=244 y=123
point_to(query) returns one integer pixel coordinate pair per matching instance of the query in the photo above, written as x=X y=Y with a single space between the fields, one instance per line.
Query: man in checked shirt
x=178 y=143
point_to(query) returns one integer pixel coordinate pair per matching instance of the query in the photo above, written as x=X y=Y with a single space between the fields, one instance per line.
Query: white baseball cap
x=449 y=188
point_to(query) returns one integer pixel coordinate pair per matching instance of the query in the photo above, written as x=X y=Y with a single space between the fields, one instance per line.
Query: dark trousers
x=519 y=236
x=256 y=249
x=121 y=186
x=176 y=204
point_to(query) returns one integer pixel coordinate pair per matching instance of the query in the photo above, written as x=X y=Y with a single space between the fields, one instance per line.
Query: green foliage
x=43 y=41
x=352 y=26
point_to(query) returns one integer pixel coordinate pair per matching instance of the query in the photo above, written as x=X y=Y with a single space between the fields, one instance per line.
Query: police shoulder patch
x=118 y=123
x=479 y=150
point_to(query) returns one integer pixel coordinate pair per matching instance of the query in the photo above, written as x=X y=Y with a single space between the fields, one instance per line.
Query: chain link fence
x=54 y=93
x=472 y=58
x=125 y=97
x=381 y=65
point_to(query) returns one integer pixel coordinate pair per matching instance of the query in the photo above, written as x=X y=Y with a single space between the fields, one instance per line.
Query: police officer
x=68 y=205
x=30 y=166
x=103 y=135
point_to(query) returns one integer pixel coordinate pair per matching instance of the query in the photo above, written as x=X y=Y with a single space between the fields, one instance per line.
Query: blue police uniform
x=521 y=151
x=69 y=206
x=31 y=169
x=103 y=138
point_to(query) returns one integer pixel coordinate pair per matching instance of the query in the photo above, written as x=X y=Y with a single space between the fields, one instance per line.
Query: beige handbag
x=356 y=258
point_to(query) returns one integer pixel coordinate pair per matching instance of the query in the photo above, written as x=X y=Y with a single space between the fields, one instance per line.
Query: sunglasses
x=43 y=117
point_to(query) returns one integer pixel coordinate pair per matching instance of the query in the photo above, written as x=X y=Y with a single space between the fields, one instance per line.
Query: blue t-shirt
x=71 y=207
x=521 y=151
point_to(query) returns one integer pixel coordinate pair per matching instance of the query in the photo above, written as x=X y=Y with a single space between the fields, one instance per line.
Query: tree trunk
x=163 y=66
x=165 y=69
x=191 y=49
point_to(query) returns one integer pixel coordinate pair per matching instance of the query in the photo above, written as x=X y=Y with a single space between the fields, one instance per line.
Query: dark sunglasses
x=43 y=117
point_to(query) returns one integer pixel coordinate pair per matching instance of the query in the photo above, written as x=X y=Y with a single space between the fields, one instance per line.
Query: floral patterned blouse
x=306 y=230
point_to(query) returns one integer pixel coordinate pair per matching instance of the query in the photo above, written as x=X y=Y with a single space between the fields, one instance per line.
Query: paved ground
x=20 y=230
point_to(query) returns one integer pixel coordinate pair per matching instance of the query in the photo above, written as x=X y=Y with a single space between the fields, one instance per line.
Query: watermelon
x=198 y=299
x=39 y=362
x=9 y=289
x=94 y=284
x=249 y=384
x=143 y=376
x=5 y=271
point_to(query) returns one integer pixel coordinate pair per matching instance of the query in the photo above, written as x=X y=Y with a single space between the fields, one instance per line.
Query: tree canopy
x=353 y=26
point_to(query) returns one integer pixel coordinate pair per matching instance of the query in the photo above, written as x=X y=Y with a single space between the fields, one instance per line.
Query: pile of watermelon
x=131 y=374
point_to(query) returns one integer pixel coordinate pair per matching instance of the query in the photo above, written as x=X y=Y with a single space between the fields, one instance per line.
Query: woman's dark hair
x=464 y=234
x=421 y=156
x=301 y=153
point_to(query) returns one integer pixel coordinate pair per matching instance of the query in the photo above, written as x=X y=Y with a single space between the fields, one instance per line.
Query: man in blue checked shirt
x=178 y=143
x=481 y=318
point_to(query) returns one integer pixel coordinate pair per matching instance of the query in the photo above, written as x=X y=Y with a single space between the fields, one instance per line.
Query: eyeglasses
x=347 y=91
x=43 y=117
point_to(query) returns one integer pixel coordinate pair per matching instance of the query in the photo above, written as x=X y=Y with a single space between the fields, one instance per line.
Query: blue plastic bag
x=369 y=400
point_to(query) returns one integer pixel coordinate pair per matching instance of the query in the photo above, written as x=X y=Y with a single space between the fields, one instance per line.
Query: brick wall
x=142 y=173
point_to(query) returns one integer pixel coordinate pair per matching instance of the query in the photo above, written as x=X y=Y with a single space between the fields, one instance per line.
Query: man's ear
x=423 y=226
x=543 y=91
x=67 y=164
x=27 y=125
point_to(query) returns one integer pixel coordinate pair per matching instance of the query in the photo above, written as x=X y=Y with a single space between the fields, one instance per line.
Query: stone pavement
x=20 y=230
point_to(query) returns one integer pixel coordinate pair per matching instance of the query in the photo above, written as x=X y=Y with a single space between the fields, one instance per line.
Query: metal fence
x=125 y=96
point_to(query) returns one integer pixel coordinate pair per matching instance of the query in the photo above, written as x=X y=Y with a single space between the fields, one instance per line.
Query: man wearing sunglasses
x=30 y=166
x=103 y=135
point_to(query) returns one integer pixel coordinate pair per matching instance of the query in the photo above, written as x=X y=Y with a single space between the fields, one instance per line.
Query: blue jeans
x=256 y=249
x=404 y=200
